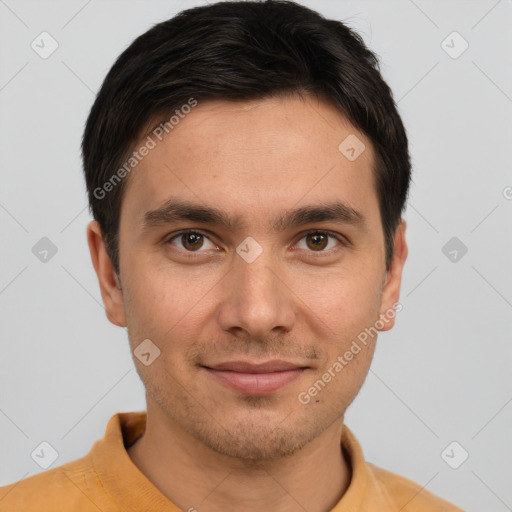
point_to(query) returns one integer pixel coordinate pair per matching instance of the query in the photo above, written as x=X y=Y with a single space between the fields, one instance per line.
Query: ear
x=391 y=291
x=110 y=287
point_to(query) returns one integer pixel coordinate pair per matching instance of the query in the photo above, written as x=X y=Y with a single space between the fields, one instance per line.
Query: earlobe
x=391 y=291
x=110 y=284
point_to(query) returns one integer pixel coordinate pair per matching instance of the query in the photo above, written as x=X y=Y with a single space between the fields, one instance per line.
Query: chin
x=262 y=439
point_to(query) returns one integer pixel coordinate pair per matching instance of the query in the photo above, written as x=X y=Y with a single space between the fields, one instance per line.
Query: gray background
x=441 y=375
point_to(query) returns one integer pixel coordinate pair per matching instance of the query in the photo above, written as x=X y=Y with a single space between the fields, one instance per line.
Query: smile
x=255 y=379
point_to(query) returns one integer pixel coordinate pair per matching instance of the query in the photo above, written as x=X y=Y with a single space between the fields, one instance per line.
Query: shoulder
x=72 y=486
x=407 y=495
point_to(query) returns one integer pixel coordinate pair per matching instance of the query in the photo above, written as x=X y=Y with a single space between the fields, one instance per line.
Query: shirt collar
x=127 y=486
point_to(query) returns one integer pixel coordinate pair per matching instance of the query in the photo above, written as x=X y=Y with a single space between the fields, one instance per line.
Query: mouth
x=255 y=378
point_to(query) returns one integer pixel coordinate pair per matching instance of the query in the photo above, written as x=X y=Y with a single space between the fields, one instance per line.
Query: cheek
x=345 y=301
x=169 y=311
x=349 y=309
x=159 y=297
x=349 y=356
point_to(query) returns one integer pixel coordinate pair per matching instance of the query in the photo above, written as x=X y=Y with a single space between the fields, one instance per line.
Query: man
x=247 y=171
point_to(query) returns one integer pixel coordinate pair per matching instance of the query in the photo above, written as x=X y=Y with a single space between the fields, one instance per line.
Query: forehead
x=255 y=156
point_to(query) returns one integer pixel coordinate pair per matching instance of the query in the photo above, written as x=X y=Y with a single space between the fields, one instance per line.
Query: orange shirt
x=107 y=480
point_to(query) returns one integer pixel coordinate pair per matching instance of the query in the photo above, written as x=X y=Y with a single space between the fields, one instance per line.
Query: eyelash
x=193 y=254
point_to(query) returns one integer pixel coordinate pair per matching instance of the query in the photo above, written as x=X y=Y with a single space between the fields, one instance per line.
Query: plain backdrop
x=441 y=375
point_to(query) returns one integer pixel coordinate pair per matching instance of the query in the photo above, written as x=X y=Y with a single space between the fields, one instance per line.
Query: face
x=252 y=308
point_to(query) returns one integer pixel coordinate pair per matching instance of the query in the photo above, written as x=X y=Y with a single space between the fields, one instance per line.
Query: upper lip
x=247 y=367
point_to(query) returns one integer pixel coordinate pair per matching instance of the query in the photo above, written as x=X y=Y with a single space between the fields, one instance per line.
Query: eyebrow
x=175 y=210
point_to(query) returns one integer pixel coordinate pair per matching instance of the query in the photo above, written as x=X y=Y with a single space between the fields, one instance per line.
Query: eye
x=191 y=241
x=318 y=241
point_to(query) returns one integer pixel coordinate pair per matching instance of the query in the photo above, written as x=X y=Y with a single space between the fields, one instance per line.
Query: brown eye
x=321 y=242
x=190 y=241
x=317 y=241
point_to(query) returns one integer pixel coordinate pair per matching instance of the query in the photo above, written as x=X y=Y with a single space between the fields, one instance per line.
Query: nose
x=257 y=298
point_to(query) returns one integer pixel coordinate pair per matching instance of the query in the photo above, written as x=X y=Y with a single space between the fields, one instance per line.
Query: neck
x=195 y=478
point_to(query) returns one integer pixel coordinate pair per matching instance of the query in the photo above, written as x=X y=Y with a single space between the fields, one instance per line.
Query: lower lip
x=256 y=383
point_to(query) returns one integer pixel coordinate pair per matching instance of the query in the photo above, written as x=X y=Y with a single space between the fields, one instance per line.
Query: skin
x=208 y=446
